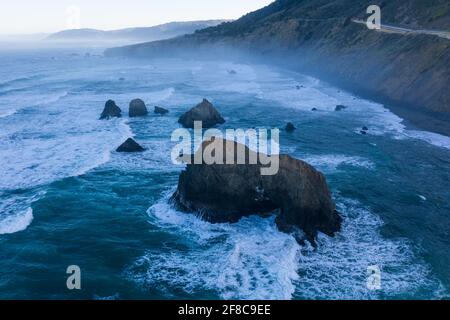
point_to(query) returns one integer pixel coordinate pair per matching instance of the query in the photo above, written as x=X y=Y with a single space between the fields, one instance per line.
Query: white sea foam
x=338 y=268
x=58 y=144
x=331 y=162
x=16 y=223
x=7 y=113
x=246 y=260
x=16 y=213
x=253 y=260
x=430 y=137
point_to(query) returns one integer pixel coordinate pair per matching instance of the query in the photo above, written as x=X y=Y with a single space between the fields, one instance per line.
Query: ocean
x=67 y=198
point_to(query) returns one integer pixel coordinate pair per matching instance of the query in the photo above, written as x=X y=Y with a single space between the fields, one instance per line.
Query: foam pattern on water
x=247 y=260
x=253 y=260
x=338 y=268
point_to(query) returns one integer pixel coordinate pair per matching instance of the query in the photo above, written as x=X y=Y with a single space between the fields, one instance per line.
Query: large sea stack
x=221 y=193
x=204 y=112
x=111 y=110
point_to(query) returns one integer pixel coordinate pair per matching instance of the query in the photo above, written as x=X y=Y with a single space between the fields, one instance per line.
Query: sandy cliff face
x=320 y=37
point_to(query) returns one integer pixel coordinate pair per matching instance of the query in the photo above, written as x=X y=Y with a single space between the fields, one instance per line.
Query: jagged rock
x=222 y=193
x=290 y=127
x=130 y=146
x=137 y=108
x=111 y=110
x=161 y=111
x=204 y=112
x=340 y=108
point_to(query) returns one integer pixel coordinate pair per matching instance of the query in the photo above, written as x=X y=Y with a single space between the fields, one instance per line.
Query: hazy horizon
x=50 y=17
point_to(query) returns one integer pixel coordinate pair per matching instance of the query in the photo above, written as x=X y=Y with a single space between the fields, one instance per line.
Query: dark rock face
x=290 y=127
x=111 y=111
x=161 y=111
x=130 y=146
x=340 y=108
x=204 y=112
x=226 y=193
x=137 y=108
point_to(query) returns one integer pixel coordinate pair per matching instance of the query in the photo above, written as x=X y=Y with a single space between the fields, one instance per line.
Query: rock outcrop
x=204 y=112
x=130 y=146
x=290 y=127
x=161 y=111
x=137 y=108
x=340 y=107
x=407 y=71
x=111 y=110
x=222 y=193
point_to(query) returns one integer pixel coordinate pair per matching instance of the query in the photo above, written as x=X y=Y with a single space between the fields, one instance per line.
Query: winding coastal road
x=408 y=31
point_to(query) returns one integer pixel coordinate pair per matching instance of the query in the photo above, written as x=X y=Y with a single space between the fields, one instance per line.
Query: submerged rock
x=222 y=193
x=137 y=108
x=314 y=109
x=290 y=127
x=365 y=129
x=111 y=110
x=161 y=111
x=340 y=107
x=204 y=112
x=130 y=146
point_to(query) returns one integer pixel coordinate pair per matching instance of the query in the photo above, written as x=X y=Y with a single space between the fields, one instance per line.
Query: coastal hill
x=133 y=35
x=397 y=65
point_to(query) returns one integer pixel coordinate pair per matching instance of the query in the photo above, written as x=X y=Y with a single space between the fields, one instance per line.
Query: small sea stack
x=204 y=112
x=290 y=127
x=161 y=111
x=340 y=107
x=111 y=110
x=137 y=108
x=130 y=146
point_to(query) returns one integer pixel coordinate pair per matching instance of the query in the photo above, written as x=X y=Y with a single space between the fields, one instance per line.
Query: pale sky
x=32 y=16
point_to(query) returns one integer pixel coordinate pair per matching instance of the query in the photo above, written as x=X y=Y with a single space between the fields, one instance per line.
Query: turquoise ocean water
x=66 y=198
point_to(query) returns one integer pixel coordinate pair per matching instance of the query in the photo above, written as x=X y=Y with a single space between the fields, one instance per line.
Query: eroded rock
x=221 y=193
x=111 y=110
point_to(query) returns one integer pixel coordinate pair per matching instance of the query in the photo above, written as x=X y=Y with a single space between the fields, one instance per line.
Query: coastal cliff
x=324 y=39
